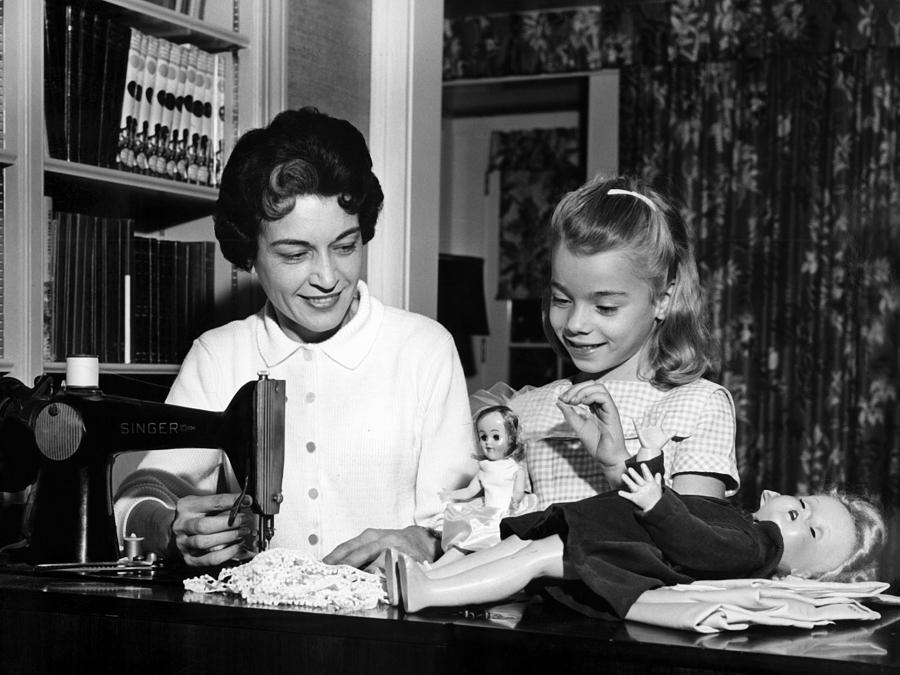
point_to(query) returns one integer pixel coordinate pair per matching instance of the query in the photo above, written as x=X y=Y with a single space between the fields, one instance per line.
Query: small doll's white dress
x=475 y=524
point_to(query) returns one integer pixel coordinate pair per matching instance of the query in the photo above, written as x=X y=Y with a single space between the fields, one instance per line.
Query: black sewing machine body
x=76 y=434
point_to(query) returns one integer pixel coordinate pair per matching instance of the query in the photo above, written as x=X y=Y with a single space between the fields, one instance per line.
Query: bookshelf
x=159 y=207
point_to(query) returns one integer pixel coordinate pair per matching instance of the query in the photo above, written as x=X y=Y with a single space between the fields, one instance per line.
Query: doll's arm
x=652 y=437
x=723 y=547
x=471 y=490
x=518 y=488
x=643 y=488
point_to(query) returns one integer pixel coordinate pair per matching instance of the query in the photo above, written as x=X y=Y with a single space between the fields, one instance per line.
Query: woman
x=377 y=418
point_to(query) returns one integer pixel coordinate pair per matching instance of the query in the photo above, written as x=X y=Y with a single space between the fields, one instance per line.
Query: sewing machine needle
x=237 y=503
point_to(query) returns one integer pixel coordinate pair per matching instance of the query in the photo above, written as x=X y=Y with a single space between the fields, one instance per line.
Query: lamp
x=461 y=306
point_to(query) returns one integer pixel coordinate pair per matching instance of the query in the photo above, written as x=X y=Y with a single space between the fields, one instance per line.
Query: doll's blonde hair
x=871 y=534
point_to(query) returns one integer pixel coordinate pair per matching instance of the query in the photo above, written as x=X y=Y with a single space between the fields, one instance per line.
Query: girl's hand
x=601 y=429
x=644 y=490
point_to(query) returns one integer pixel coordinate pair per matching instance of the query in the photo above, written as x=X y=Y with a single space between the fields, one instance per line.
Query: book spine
x=144 y=131
x=49 y=346
x=140 y=300
x=131 y=98
x=205 y=153
x=157 y=95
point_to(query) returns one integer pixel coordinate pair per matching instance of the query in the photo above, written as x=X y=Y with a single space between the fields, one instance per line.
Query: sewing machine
x=67 y=442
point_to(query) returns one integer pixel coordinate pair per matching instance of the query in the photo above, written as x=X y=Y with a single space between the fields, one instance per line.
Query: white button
x=313 y=493
x=307 y=355
x=310 y=397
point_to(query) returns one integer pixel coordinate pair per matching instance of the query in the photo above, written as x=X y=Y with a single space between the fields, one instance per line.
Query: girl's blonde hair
x=649 y=230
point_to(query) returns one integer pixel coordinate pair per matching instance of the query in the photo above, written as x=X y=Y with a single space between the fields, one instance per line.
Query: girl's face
x=492 y=435
x=601 y=312
x=308 y=264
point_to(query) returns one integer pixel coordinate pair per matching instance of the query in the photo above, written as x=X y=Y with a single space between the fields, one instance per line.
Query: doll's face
x=492 y=436
x=818 y=531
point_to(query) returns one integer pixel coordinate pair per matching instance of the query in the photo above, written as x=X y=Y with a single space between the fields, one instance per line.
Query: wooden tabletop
x=65 y=624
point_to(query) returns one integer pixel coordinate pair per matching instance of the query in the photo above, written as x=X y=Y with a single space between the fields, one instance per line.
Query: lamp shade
x=461 y=303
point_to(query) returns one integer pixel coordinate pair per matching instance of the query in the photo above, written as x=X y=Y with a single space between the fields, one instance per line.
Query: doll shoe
x=391 y=576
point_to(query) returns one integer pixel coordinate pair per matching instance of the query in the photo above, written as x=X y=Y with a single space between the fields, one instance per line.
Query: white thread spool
x=83 y=370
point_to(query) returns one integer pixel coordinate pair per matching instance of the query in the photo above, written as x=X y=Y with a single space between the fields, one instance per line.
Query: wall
x=329 y=46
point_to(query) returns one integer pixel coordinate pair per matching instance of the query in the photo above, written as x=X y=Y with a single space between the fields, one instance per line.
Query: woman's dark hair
x=301 y=152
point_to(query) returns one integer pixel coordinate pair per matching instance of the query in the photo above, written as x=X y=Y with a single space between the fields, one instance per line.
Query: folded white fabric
x=736 y=604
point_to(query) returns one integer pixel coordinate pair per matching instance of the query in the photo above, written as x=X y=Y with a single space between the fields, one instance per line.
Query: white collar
x=348 y=347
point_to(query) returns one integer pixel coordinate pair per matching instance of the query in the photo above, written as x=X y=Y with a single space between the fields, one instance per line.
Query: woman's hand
x=601 y=429
x=643 y=489
x=414 y=541
x=201 y=530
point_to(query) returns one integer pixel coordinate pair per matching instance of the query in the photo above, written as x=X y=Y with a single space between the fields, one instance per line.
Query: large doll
x=472 y=522
x=598 y=555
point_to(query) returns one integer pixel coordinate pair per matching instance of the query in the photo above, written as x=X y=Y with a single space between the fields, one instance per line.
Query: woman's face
x=308 y=264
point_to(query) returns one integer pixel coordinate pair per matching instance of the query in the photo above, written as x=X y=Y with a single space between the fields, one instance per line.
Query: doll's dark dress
x=618 y=552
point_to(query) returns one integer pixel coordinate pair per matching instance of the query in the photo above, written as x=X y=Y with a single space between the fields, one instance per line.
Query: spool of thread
x=83 y=370
x=134 y=547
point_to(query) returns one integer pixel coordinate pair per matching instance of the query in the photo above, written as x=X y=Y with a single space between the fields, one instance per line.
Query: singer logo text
x=152 y=428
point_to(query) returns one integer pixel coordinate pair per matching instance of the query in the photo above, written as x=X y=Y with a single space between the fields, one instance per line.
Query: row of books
x=119 y=98
x=123 y=297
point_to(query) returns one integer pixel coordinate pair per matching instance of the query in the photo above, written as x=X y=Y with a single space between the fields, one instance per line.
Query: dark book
x=186 y=317
x=140 y=300
x=90 y=85
x=114 y=65
x=83 y=42
x=167 y=301
x=207 y=314
x=105 y=306
x=61 y=280
x=153 y=320
x=54 y=90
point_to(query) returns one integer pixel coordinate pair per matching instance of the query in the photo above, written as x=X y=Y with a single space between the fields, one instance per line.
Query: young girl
x=475 y=524
x=625 y=306
x=601 y=553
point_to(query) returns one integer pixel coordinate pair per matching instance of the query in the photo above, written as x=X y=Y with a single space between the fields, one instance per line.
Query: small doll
x=474 y=522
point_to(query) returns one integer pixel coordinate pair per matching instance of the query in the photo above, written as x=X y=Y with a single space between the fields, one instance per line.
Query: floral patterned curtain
x=537 y=167
x=790 y=172
x=617 y=33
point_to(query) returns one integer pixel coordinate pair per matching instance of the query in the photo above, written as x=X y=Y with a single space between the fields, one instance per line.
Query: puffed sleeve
x=702 y=421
